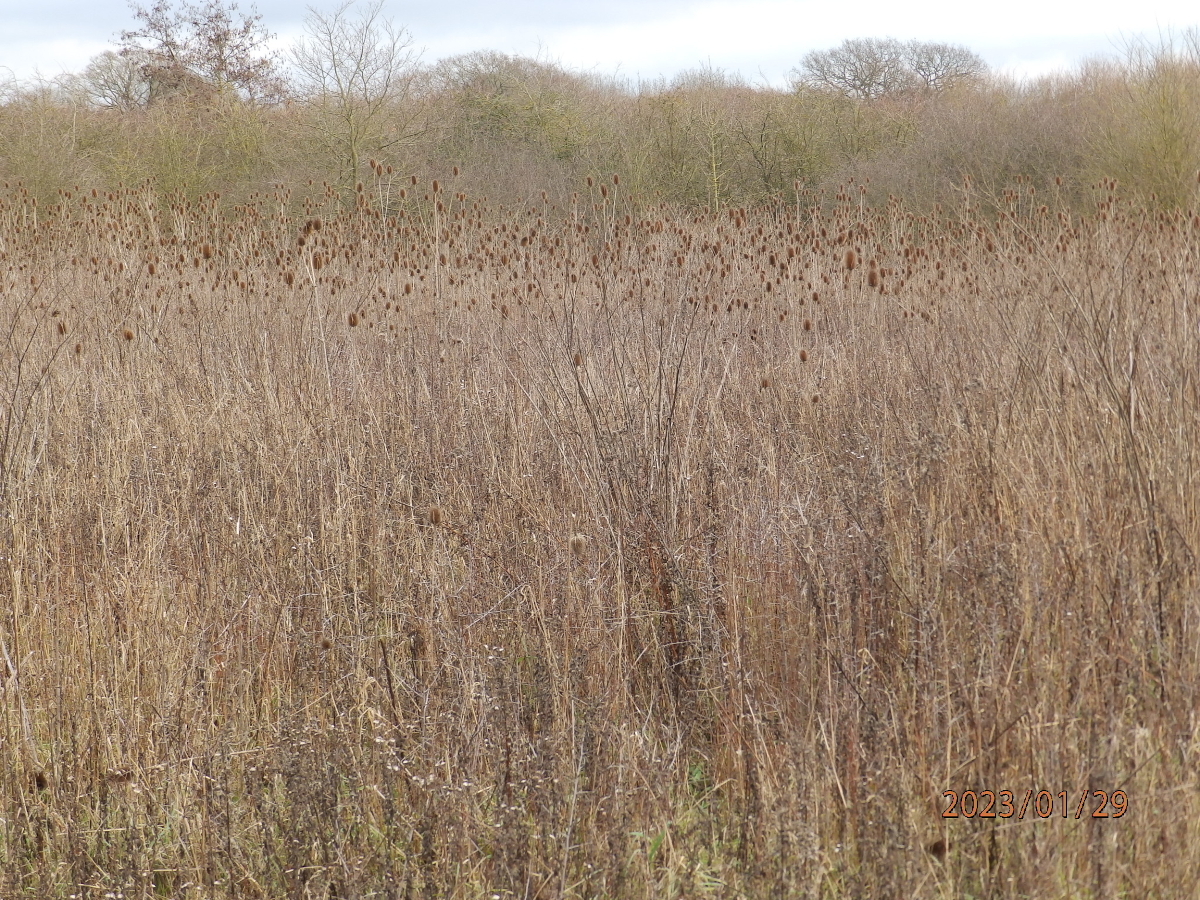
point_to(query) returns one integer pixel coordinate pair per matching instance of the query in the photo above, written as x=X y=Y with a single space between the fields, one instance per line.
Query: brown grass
x=621 y=554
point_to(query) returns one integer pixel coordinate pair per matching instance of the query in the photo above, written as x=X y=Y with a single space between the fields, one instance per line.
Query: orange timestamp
x=1041 y=804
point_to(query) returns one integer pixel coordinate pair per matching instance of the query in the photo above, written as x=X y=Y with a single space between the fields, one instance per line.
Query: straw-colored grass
x=595 y=552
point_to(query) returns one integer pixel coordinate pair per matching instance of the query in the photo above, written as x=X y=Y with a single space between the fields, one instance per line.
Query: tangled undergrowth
x=427 y=548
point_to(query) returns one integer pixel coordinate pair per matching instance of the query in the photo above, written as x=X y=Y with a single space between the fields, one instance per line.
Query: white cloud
x=652 y=38
x=767 y=38
x=49 y=58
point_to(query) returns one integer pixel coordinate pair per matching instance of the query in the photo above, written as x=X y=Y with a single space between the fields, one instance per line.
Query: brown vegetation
x=518 y=127
x=412 y=545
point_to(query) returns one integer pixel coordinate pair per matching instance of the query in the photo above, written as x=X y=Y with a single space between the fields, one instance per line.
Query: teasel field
x=415 y=545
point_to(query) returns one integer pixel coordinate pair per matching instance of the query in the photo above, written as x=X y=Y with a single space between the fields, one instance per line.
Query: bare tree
x=354 y=71
x=942 y=66
x=863 y=68
x=113 y=81
x=494 y=97
x=871 y=68
x=175 y=84
x=211 y=41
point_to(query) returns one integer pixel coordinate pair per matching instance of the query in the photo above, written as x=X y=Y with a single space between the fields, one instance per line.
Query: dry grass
x=594 y=552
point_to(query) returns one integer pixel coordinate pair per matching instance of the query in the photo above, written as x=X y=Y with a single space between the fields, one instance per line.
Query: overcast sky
x=646 y=39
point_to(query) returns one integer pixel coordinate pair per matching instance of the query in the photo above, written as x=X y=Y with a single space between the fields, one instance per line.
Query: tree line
x=193 y=99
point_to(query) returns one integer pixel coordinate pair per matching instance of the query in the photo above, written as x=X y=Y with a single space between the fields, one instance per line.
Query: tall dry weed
x=431 y=547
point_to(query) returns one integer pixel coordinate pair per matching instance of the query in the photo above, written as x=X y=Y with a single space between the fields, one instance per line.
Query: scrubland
x=421 y=546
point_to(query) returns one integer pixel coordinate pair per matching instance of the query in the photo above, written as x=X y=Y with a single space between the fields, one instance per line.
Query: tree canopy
x=872 y=68
x=210 y=40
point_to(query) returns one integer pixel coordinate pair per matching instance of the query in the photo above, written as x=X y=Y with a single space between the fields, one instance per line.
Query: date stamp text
x=1039 y=804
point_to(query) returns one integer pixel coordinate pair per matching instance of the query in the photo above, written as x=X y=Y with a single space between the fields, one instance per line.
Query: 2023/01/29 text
x=1042 y=804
